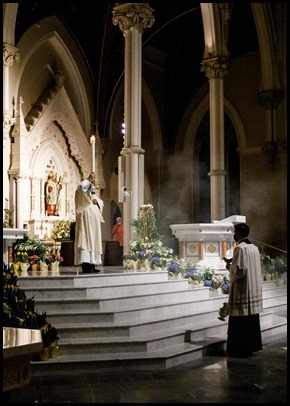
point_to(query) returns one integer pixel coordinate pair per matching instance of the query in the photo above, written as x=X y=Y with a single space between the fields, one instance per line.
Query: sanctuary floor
x=261 y=378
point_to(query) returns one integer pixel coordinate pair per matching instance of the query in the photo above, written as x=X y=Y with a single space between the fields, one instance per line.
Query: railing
x=274 y=260
x=271 y=250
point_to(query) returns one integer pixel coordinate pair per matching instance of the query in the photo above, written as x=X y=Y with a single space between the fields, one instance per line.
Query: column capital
x=217 y=172
x=133 y=149
x=10 y=54
x=8 y=122
x=130 y=15
x=216 y=67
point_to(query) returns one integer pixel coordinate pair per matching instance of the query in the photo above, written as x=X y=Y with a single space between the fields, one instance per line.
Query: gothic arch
x=9 y=19
x=265 y=30
x=212 y=38
x=36 y=42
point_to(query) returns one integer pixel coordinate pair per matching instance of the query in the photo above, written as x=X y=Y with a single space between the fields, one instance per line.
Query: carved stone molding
x=129 y=15
x=11 y=54
x=215 y=67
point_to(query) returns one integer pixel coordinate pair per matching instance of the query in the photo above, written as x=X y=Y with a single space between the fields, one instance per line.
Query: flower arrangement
x=29 y=245
x=50 y=257
x=19 y=311
x=175 y=267
x=21 y=256
x=207 y=276
x=61 y=230
x=147 y=248
x=49 y=334
x=34 y=259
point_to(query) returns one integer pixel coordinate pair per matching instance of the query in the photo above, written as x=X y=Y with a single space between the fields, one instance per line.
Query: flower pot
x=53 y=349
x=134 y=264
x=16 y=268
x=267 y=276
x=54 y=268
x=43 y=268
x=44 y=355
x=34 y=268
x=24 y=267
x=148 y=264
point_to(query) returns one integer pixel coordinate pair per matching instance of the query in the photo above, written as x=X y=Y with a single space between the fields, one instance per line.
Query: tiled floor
x=261 y=378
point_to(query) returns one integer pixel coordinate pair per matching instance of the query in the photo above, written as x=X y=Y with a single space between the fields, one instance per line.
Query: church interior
x=64 y=80
x=179 y=105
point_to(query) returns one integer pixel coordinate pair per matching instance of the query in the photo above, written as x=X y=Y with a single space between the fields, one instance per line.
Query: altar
x=207 y=243
x=20 y=345
x=9 y=236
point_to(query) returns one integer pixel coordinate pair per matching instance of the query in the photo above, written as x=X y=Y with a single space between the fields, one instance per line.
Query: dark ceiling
x=177 y=33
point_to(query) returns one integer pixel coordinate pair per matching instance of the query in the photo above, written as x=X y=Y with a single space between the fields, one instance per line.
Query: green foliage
x=148 y=245
x=61 y=230
x=28 y=246
x=206 y=276
x=145 y=224
x=271 y=265
x=19 y=311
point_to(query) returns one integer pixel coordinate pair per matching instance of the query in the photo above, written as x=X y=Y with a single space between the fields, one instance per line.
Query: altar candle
x=93 y=142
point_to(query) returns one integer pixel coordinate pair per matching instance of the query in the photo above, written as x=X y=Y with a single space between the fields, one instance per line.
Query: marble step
x=154 y=312
x=88 y=363
x=137 y=322
x=116 y=305
x=137 y=306
x=194 y=349
x=274 y=300
x=114 y=292
x=270 y=290
x=215 y=344
x=202 y=325
x=147 y=341
x=161 y=339
x=93 y=280
x=201 y=321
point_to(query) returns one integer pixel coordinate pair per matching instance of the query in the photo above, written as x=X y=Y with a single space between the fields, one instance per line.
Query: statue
x=52 y=190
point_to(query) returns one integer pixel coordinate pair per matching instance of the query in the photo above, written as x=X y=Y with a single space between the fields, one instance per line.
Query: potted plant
x=147 y=250
x=19 y=311
x=50 y=342
x=26 y=247
x=21 y=263
x=34 y=262
x=52 y=260
x=61 y=230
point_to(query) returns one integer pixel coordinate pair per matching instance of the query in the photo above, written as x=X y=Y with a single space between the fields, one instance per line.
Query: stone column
x=42 y=199
x=216 y=69
x=19 y=201
x=19 y=168
x=223 y=249
x=132 y=19
x=181 y=249
x=201 y=250
x=10 y=55
x=33 y=183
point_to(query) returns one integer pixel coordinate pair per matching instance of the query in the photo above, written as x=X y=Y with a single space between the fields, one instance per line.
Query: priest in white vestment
x=88 y=232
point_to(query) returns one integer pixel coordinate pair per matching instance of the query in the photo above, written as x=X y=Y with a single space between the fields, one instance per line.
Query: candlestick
x=93 y=141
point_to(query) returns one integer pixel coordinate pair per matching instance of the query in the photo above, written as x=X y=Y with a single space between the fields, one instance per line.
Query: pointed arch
x=50 y=47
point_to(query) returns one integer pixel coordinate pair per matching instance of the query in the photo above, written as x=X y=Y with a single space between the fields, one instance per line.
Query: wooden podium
x=67 y=252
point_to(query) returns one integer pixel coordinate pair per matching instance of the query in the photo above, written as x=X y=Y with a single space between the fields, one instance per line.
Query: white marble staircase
x=137 y=320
